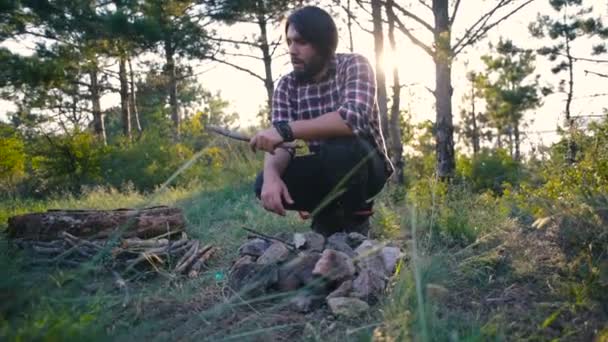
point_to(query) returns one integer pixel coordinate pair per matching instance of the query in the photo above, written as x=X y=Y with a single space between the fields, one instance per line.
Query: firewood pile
x=346 y=271
x=125 y=239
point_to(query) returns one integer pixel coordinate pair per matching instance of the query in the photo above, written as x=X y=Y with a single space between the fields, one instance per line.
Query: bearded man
x=329 y=101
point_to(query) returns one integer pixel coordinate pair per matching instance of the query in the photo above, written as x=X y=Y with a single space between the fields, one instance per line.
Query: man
x=329 y=100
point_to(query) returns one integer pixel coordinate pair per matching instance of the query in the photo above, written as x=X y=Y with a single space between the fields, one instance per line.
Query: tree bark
x=475 y=137
x=99 y=126
x=267 y=58
x=571 y=153
x=517 y=141
x=395 y=124
x=380 y=76
x=444 y=129
x=349 y=26
x=145 y=223
x=170 y=72
x=124 y=96
x=133 y=98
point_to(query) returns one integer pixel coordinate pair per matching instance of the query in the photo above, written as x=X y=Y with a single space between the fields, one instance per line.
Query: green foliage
x=489 y=170
x=67 y=162
x=12 y=163
x=508 y=91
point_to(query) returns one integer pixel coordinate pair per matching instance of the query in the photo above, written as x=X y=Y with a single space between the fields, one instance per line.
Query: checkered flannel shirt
x=348 y=88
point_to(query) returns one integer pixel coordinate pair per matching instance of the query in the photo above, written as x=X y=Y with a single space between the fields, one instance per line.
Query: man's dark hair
x=316 y=27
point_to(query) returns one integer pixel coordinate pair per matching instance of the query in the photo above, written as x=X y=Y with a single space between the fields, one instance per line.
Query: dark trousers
x=337 y=179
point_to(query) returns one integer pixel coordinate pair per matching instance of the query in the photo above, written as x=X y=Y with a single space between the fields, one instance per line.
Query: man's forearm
x=325 y=126
x=275 y=164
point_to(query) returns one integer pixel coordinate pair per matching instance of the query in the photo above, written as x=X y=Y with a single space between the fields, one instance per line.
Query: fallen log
x=97 y=224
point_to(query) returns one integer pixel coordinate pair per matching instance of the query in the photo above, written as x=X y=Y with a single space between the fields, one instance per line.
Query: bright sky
x=246 y=94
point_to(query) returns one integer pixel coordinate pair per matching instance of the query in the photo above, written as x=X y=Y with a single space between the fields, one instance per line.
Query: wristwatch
x=284 y=130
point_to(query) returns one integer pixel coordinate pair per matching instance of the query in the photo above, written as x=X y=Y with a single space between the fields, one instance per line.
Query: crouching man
x=329 y=101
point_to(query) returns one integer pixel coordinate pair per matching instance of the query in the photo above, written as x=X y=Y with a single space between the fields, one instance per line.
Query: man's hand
x=274 y=192
x=266 y=140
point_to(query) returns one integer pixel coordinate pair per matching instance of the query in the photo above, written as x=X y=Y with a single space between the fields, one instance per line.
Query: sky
x=247 y=94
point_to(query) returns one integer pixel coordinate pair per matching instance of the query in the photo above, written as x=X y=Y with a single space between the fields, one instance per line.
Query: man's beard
x=310 y=70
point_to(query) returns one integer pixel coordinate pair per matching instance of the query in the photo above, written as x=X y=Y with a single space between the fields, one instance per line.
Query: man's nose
x=293 y=51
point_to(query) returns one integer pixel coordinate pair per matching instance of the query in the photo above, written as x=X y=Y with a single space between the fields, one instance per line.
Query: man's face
x=307 y=63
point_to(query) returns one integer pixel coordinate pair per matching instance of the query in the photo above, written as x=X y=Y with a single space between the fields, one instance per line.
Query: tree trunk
x=133 y=98
x=170 y=72
x=475 y=137
x=143 y=223
x=571 y=153
x=124 y=96
x=395 y=126
x=510 y=136
x=517 y=141
x=444 y=128
x=349 y=26
x=380 y=76
x=264 y=46
x=99 y=126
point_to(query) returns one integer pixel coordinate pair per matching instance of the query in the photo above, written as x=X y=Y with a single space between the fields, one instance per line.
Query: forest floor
x=516 y=282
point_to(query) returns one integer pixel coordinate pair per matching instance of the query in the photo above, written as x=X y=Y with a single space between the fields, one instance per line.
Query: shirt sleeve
x=359 y=95
x=281 y=109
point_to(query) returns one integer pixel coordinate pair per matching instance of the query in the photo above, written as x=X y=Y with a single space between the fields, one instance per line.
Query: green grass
x=469 y=245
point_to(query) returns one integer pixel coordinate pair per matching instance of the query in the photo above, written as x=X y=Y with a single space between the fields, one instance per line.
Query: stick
x=204 y=255
x=188 y=257
x=242 y=137
x=268 y=237
x=228 y=133
x=138 y=243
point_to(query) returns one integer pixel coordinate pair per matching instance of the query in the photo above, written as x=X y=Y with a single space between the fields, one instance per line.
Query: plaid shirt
x=348 y=88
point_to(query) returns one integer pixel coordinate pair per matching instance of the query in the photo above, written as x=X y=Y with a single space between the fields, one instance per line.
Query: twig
x=228 y=133
x=204 y=255
x=268 y=237
x=242 y=137
x=122 y=284
x=187 y=258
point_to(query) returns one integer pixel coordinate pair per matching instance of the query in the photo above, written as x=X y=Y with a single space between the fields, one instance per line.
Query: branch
x=599 y=61
x=414 y=40
x=454 y=12
x=427 y=5
x=242 y=55
x=275 y=45
x=213 y=58
x=484 y=18
x=469 y=39
x=595 y=73
x=411 y=15
x=224 y=40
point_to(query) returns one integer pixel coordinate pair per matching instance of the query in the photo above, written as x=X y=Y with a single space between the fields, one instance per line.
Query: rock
x=285 y=236
x=368 y=285
x=367 y=247
x=355 y=239
x=301 y=303
x=436 y=292
x=304 y=302
x=342 y=291
x=298 y=271
x=390 y=256
x=251 y=279
x=277 y=252
x=314 y=242
x=299 y=240
x=334 y=266
x=369 y=258
x=338 y=242
x=246 y=259
x=347 y=307
x=254 y=247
